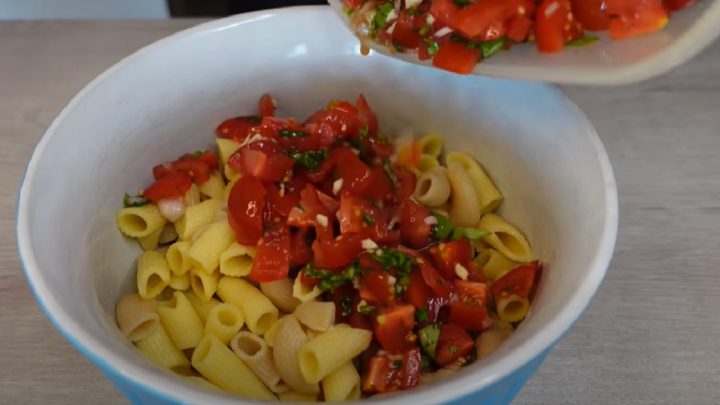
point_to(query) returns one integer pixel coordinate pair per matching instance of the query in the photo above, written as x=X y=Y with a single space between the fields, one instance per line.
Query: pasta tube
x=181 y=322
x=177 y=257
x=137 y=222
x=464 y=205
x=158 y=348
x=342 y=384
x=259 y=311
x=280 y=293
x=213 y=188
x=153 y=274
x=506 y=238
x=489 y=197
x=224 y=321
x=329 y=351
x=202 y=308
x=285 y=356
x=319 y=316
x=136 y=317
x=431 y=144
x=494 y=264
x=254 y=352
x=237 y=260
x=433 y=188
x=208 y=247
x=203 y=284
x=512 y=308
x=196 y=217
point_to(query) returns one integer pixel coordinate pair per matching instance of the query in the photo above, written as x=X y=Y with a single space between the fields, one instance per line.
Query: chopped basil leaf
x=490 y=48
x=402 y=263
x=429 y=338
x=584 y=40
x=456 y=38
x=197 y=153
x=421 y=315
x=469 y=233
x=310 y=160
x=397 y=47
x=366 y=309
x=363 y=132
x=368 y=219
x=444 y=228
x=425 y=30
x=134 y=200
x=461 y=3
x=432 y=46
x=388 y=170
x=330 y=280
x=289 y=133
x=412 y=11
x=425 y=362
x=346 y=305
x=380 y=19
x=397 y=363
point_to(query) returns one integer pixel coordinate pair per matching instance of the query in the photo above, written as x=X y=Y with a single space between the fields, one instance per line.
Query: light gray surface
x=651 y=334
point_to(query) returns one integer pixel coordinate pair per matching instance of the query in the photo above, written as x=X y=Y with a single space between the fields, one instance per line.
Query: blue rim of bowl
x=172 y=390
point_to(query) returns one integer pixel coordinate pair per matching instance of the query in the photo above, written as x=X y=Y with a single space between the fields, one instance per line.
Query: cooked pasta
x=280 y=293
x=431 y=144
x=226 y=147
x=181 y=322
x=206 y=250
x=153 y=274
x=259 y=311
x=230 y=173
x=202 y=307
x=237 y=260
x=158 y=348
x=295 y=397
x=490 y=340
x=506 y=238
x=303 y=292
x=223 y=368
x=494 y=264
x=254 y=352
x=512 y=308
x=168 y=234
x=488 y=195
x=270 y=334
x=179 y=283
x=433 y=188
x=328 y=351
x=151 y=240
x=136 y=317
x=201 y=382
x=229 y=187
x=137 y=222
x=285 y=356
x=342 y=384
x=192 y=196
x=196 y=217
x=224 y=321
x=213 y=188
x=203 y=284
x=427 y=163
x=178 y=259
x=464 y=208
x=318 y=316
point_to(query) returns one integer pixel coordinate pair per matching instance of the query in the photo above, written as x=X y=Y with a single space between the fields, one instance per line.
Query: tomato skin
x=375 y=288
x=262 y=159
x=447 y=255
x=246 y=205
x=519 y=28
x=406 y=32
x=355 y=174
x=435 y=281
x=171 y=185
x=417 y=292
x=336 y=254
x=415 y=232
x=300 y=252
x=456 y=58
x=378 y=374
x=237 y=128
x=392 y=326
x=470 y=309
x=519 y=281
x=411 y=368
x=675 y=5
x=277 y=205
x=555 y=26
x=453 y=343
x=444 y=12
x=266 y=106
x=591 y=14
x=198 y=170
x=633 y=18
x=272 y=258
x=477 y=19
x=366 y=116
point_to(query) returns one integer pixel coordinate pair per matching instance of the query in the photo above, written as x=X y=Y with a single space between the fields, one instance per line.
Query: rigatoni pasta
x=464 y=206
x=196 y=217
x=280 y=293
x=489 y=196
x=153 y=274
x=286 y=355
x=224 y=321
x=206 y=250
x=136 y=317
x=137 y=222
x=178 y=259
x=181 y=322
x=433 y=188
x=506 y=238
x=330 y=350
x=318 y=316
x=204 y=285
x=260 y=313
x=237 y=260
x=342 y=384
x=158 y=348
x=254 y=352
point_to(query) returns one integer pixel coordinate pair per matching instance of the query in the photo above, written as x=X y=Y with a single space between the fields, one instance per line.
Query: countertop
x=651 y=334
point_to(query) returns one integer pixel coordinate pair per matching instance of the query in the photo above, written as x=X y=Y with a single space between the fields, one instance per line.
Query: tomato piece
x=453 y=344
x=209 y=158
x=337 y=253
x=355 y=174
x=632 y=18
x=272 y=258
x=456 y=57
x=237 y=128
x=379 y=373
x=518 y=281
x=555 y=26
x=246 y=205
x=392 y=327
x=470 y=309
x=366 y=116
x=300 y=252
x=484 y=19
x=406 y=32
x=675 y=5
x=417 y=292
x=263 y=160
x=266 y=105
x=330 y=204
x=375 y=288
x=278 y=205
x=411 y=368
x=591 y=14
x=163 y=170
x=444 y=11
x=434 y=280
x=414 y=231
x=405 y=184
x=519 y=28
x=198 y=170
x=447 y=255
x=171 y=185
x=357 y=215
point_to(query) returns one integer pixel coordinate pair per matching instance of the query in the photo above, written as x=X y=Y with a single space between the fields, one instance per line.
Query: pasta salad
x=320 y=260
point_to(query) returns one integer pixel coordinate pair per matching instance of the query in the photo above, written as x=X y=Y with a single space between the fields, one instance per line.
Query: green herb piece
x=197 y=153
x=388 y=170
x=412 y=11
x=397 y=363
x=461 y=3
x=346 y=302
x=397 y=46
x=367 y=309
x=443 y=229
x=469 y=233
x=490 y=48
x=429 y=338
x=134 y=200
x=289 y=133
x=380 y=19
x=363 y=132
x=368 y=219
x=425 y=362
x=453 y=349
x=421 y=315
x=432 y=46
x=402 y=263
x=310 y=160
x=584 y=40
x=330 y=280
x=456 y=38
x=425 y=30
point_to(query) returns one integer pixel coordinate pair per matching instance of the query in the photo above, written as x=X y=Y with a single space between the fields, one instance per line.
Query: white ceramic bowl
x=166 y=100
x=605 y=62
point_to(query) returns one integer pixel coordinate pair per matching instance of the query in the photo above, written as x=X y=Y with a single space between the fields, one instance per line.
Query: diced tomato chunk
x=266 y=105
x=336 y=254
x=415 y=231
x=456 y=57
x=519 y=281
x=171 y=185
x=452 y=344
x=555 y=25
x=272 y=259
x=246 y=205
x=393 y=326
x=237 y=128
x=447 y=255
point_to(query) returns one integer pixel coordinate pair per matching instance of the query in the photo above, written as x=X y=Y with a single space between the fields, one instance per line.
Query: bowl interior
x=167 y=99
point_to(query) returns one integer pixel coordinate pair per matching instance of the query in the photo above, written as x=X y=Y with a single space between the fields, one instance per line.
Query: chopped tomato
x=357 y=215
x=209 y=158
x=379 y=373
x=237 y=128
x=246 y=204
x=456 y=57
x=336 y=254
x=452 y=344
x=415 y=232
x=375 y=288
x=675 y=5
x=444 y=12
x=266 y=106
x=470 y=309
x=632 y=18
x=355 y=174
x=197 y=169
x=305 y=213
x=272 y=258
x=300 y=252
x=591 y=14
x=366 y=117
x=279 y=202
x=417 y=292
x=171 y=185
x=262 y=159
x=555 y=26
x=411 y=368
x=405 y=184
x=481 y=18
x=518 y=281
x=447 y=255
x=406 y=31
x=519 y=28
x=386 y=372
x=434 y=280
x=393 y=326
